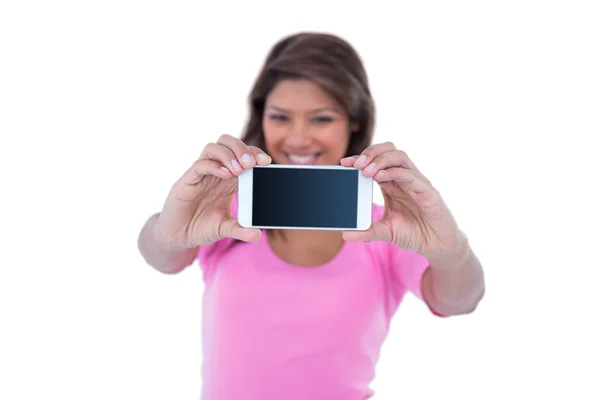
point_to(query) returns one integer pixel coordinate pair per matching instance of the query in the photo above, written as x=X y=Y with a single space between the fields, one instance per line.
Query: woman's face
x=304 y=125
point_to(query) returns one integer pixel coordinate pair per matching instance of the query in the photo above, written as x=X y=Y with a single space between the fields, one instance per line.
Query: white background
x=103 y=105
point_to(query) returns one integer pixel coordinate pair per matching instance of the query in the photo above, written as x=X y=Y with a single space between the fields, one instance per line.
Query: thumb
x=377 y=231
x=230 y=228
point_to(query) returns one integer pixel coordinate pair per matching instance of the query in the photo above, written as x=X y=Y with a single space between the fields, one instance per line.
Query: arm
x=159 y=256
x=417 y=218
x=197 y=211
x=454 y=283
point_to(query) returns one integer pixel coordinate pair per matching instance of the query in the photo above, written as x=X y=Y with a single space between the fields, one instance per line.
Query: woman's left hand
x=415 y=217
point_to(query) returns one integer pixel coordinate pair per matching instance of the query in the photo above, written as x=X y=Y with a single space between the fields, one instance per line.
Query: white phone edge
x=364 y=207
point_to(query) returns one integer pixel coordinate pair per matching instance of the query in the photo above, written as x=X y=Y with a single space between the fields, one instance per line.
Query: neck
x=306 y=247
x=309 y=238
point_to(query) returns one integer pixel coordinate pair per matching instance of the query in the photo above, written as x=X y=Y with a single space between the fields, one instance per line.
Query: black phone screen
x=305 y=197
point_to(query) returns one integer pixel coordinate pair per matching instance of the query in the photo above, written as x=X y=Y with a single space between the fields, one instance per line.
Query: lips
x=303 y=159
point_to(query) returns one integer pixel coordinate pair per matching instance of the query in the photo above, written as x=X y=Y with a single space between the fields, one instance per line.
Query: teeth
x=297 y=159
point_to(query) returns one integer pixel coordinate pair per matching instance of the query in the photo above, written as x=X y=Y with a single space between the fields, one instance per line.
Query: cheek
x=335 y=137
x=273 y=135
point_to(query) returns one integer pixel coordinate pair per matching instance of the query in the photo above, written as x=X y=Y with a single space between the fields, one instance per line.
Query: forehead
x=300 y=95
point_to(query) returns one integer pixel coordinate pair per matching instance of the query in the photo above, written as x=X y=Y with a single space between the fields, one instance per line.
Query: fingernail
x=361 y=159
x=262 y=157
x=235 y=164
x=370 y=167
x=247 y=159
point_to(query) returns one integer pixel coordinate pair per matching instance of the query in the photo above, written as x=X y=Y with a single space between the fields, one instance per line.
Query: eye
x=322 y=119
x=278 y=117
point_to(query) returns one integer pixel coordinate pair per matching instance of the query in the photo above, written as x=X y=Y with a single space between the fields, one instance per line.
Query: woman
x=303 y=314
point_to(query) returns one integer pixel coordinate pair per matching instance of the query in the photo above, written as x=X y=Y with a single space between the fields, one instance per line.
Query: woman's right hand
x=198 y=208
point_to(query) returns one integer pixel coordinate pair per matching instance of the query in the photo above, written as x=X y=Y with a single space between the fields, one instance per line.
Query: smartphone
x=305 y=197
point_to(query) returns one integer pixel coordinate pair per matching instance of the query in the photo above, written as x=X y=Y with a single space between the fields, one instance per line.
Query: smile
x=304 y=159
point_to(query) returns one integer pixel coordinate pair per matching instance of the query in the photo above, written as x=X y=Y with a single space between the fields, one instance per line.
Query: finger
x=232 y=229
x=367 y=156
x=203 y=167
x=406 y=177
x=243 y=154
x=395 y=158
x=224 y=155
x=377 y=231
x=260 y=156
x=348 y=161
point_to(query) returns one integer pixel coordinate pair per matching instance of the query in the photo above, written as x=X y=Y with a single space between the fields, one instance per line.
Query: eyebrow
x=283 y=110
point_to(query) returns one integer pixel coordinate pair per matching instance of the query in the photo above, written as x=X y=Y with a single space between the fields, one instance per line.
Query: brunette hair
x=332 y=64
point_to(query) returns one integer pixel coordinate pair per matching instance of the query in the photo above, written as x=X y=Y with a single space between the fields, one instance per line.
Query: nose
x=299 y=134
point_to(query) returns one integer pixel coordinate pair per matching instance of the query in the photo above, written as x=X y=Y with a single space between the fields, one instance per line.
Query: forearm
x=160 y=256
x=455 y=282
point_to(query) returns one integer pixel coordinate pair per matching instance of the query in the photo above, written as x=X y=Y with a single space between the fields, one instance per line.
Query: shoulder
x=403 y=267
x=379 y=252
x=377 y=211
x=208 y=255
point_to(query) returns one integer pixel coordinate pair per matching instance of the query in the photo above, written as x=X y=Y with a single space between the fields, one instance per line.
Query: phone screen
x=305 y=197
